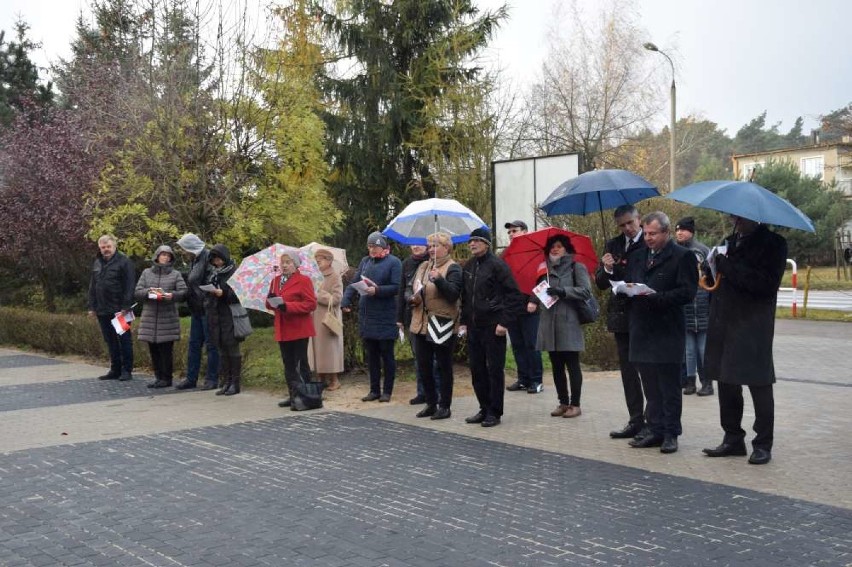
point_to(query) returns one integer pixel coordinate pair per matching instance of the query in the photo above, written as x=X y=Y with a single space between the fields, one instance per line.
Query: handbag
x=308 y=396
x=242 y=325
x=588 y=310
x=332 y=322
x=439 y=329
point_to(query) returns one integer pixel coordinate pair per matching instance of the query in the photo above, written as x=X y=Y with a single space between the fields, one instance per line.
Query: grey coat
x=160 y=322
x=559 y=328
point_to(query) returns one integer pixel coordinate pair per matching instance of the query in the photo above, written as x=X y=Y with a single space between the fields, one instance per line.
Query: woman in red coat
x=294 y=322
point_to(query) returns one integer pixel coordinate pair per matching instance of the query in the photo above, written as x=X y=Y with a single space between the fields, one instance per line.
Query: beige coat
x=325 y=352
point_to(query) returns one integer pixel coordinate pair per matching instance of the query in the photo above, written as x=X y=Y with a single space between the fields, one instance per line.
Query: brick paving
x=111 y=474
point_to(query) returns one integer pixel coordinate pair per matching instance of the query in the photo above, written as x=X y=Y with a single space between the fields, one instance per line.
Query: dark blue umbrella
x=597 y=191
x=746 y=200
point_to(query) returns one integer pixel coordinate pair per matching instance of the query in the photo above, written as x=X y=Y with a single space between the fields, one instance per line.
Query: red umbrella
x=525 y=254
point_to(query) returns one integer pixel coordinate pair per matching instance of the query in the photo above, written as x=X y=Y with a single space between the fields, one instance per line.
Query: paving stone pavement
x=131 y=478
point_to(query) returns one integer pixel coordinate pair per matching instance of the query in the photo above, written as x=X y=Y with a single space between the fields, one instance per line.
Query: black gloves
x=556 y=292
x=282 y=307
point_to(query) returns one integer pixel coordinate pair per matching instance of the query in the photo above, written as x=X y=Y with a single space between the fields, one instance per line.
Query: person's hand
x=462 y=330
x=346 y=309
x=218 y=292
x=415 y=300
x=531 y=307
x=399 y=325
x=434 y=274
x=500 y=331
x=370 y=290
x=282 y=307
x=168 y=296
x=608 y=261
x=556 y=292
x=91 y=314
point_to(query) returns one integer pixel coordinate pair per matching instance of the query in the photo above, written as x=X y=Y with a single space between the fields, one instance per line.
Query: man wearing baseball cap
x=523 y=333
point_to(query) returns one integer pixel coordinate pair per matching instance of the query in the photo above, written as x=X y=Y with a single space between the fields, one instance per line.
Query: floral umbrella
x=340 y=263
x=252 y=279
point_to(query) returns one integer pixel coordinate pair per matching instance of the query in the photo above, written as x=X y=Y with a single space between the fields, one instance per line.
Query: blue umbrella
x=597 y=191
x=743 y=199
x=422 y=218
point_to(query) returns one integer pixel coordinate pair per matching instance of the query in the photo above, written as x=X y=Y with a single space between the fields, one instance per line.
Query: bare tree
x=595 y=92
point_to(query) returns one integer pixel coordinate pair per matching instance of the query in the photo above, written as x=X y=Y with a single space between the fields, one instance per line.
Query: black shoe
x=125 y=376
x=109 y=376
x=185 y=385
x=644 y=432
x=428 y=411
x=706 y=389
x=442 y=413
x=760 y=457
x=221 y=391
x=160 y=384
x=689 y=390
x=478 y=418
x=651 y=440
x=371 y=397
x=629 y=430
x=385 y=398
x=516 y=387
x=727 y=450
x=669 y=444
x=285 y=403
x=231 y=390
x=490 y=421
x=209 y=386
x=535 y=388
x=417 y=400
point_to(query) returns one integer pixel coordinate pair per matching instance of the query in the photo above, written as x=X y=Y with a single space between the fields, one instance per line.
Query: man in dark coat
x=658 y=329
x=613 y=267
x=111 y=293
x=199 y=334
x=490 y=303
x=740 y=334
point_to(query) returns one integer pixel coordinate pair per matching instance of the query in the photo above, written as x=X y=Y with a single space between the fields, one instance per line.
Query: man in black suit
x=658 y=328
x=612 y=267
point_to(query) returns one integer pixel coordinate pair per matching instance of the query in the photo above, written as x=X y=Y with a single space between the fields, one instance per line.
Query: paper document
x=363 y=285
x=121 y=322
x=540 y=291
x=274 y=301
x=208 y=287
x=711 y=257
x=631 y=289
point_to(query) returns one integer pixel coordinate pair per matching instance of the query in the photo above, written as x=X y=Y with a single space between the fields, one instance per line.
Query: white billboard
x=520 y=185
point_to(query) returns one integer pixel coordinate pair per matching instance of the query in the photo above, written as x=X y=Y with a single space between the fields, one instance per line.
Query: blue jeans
x=523 y=334
x=120 y=346
x=199 y=335
x=695 y=341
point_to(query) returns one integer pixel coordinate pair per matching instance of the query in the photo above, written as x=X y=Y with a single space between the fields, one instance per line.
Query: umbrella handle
x=702 y=281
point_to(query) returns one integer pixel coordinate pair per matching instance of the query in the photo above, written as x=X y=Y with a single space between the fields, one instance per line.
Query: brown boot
x=333 y=383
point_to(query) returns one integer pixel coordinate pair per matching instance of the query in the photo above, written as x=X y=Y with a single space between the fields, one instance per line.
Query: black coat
x=742 y=312
x=657 y=327
x=491 y=295
x=112 y=284
x=616 y=314
x=199 y=273
x=220 y=321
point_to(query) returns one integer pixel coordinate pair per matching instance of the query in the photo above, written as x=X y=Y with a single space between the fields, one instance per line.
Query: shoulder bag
x=242 y=325
x=588 y=310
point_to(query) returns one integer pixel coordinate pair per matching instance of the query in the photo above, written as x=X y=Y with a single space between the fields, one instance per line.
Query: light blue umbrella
x=422 y=218
x=746 y=200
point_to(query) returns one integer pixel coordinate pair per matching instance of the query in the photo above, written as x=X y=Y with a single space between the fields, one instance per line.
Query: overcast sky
x=734 y=58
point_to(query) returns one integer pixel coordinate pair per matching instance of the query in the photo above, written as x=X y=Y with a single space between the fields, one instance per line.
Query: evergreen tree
x=19 y=80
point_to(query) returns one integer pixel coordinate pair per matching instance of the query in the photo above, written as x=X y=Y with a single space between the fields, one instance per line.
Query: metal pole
x=651 y=47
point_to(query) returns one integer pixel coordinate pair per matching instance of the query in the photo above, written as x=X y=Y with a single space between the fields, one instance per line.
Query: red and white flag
x=121 y=322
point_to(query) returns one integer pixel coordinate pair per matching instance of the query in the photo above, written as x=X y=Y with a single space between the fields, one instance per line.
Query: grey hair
x=659 y=216
x=625 y=210
x=108 y=238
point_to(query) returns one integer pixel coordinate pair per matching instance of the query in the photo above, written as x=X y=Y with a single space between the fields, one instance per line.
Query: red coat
x=297 y=321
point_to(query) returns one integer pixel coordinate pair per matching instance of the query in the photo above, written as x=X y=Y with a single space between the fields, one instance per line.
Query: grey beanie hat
x=191 y=243
x=377 y=239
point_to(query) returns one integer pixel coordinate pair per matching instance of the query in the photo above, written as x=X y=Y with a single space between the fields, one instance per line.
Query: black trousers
x=665 y=399
x=380 y=352
x=731 y=414
x=162 y=358
x=487 y=354
x=430 y=355
x=559 y=360
x=294 y=354
x=630 y=381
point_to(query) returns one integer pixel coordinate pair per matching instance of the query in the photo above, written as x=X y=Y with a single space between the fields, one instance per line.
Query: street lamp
x=651 y=47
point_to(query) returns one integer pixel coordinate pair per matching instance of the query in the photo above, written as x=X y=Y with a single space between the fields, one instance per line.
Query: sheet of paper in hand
x=540 y=291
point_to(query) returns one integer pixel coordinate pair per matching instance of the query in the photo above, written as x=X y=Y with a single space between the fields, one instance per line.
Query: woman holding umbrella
x=292 y=296
x=559 y=331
